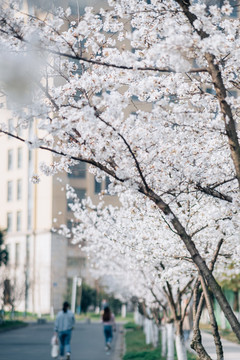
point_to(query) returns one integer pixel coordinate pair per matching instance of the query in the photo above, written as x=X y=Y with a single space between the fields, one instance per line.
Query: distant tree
x=89 y=296
x=115 y=305
x=3 y=250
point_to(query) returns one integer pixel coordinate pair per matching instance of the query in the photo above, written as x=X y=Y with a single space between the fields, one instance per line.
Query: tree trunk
x=170 y=341
x=155 y=330
x=216 y=336
x=147 y=330
x=196 y=343
x=180 y=343
x=123 y=310
x=163 y=340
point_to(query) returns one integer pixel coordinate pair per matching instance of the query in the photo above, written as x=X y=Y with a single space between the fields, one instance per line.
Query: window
x=10 y=127
x=9 y=191
x=9 y=222
x=19 y=158
x=29 y=219
x=234 y=4
x=210 y=91
x=29 y=155
x=78 y=171
x=19 y=189
x=77 y=262
x=219 y=3
x=97 y=187
x=17 y=254
x=19 y=220
x=10 y=159
x=81 y=194
x=70 y=224
x=135 y=98
x=107 y=183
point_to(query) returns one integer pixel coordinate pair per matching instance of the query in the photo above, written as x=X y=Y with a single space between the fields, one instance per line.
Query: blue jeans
x=64 y=339
x=108 y=333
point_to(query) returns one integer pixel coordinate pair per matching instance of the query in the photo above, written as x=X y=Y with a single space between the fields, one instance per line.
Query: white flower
x=226 y=9
x=35 y=179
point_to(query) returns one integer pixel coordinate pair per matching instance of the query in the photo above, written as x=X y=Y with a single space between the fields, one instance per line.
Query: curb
x=120 y=344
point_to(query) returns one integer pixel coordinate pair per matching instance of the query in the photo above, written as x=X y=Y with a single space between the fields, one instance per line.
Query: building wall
x=42 y=263
x=58 y=271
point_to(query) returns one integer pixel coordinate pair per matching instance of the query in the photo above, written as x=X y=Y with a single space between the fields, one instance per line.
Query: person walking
x=109 y=326
x=63 y=328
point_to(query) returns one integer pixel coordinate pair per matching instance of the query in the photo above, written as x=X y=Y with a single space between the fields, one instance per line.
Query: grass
x=97 y=317
x=11 y=324
x=224 y=333
x=20 y=316
x=136 y=348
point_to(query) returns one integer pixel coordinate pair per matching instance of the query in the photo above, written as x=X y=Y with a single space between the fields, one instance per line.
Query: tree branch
x=88 y=161
x=221 y=93
x=210 y=191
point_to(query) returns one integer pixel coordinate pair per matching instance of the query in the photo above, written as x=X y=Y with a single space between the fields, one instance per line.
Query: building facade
x=42 y=263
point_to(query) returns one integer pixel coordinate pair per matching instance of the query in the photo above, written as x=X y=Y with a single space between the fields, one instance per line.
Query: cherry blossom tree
x=133 y=242
x=143 y=92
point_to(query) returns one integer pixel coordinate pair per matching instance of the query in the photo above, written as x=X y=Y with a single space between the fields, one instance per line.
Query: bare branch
x=198 y=230
x=127 y=145
x=223 y=182
x=210 y=191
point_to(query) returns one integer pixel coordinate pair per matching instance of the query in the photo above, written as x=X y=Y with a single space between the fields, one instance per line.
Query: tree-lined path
x=33 y=342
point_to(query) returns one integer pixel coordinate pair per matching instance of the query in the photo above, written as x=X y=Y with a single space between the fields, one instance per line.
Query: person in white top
x=63 y=328
x=109 y=325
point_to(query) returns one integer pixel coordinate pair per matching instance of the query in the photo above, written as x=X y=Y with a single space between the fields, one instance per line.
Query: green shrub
x=131 y=325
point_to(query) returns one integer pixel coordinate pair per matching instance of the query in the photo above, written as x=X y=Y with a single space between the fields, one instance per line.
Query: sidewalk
x=231 y=350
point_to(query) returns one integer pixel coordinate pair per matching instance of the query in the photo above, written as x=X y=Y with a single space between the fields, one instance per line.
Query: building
x=42 y=263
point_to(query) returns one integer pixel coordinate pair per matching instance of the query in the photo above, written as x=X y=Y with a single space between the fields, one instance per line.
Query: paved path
x=33 y=343
x=231 y=350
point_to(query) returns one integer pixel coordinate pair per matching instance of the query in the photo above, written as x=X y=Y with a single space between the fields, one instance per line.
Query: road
x=33 y=343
